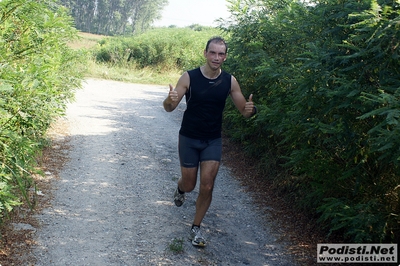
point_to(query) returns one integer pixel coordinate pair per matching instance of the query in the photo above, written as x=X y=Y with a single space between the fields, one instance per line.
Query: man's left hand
x=249 y=108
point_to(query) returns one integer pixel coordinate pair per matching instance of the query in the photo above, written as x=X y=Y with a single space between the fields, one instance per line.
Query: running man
x=200 y=145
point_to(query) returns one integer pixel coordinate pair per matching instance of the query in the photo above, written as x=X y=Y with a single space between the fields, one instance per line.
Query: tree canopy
x=114 y=17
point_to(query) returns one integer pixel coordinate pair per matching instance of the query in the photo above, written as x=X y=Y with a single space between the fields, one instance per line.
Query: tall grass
x=158 y=56
x=130 y=73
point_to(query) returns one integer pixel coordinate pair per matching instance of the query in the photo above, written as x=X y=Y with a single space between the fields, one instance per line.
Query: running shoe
x=197 y=237
x=179 y=198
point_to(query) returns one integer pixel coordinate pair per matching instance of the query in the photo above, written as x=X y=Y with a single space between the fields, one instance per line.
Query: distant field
x=86 y=40
x=127 y=73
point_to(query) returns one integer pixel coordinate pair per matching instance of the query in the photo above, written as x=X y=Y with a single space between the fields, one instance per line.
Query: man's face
x=215 y=55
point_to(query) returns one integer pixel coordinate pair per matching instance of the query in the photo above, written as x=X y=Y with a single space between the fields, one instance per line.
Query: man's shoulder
x=227 y=74
x=193 y=71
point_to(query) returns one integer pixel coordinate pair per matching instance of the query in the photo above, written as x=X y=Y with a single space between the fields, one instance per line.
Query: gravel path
x=113 y=202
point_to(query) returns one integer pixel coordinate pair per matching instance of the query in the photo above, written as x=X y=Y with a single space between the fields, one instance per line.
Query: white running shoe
x=197 y=237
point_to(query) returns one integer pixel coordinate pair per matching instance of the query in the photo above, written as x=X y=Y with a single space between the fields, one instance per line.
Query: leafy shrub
x=38 y=76
x=327 y=79
x=162 y=49
x=103 y=55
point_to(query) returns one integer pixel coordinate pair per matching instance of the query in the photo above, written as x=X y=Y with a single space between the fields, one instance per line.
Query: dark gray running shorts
x=194 y=151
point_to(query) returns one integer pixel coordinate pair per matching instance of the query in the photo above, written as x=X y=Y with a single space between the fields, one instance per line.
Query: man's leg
x=208 y=173
x=186 y=183
x=188 y=180
x=189 y=160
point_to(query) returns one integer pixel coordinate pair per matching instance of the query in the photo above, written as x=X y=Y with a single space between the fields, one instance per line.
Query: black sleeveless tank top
x=205 y=102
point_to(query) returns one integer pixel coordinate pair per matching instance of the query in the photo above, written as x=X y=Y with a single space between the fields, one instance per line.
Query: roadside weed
x=176 y=246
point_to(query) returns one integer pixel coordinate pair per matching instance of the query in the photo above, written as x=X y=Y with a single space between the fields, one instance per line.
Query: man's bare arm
x=246 y=108
x=176 y=95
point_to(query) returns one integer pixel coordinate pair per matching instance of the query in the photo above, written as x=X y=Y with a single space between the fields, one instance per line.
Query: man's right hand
x=173 y=95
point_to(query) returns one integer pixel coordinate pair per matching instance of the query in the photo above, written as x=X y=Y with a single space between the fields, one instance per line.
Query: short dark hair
x=217 y=39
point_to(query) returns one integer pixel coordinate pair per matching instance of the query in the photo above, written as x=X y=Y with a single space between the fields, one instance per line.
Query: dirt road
x=113 y=205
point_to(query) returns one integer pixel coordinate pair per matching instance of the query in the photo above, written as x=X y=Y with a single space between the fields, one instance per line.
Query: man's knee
x=186 y=186
x=207 y=187
x=188 y=179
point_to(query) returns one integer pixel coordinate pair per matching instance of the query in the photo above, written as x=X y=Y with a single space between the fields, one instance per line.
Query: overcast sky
x=184 y=13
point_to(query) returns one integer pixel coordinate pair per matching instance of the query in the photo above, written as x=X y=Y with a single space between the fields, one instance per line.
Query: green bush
x=162 y=49
x=327 y=78
x=38 y=76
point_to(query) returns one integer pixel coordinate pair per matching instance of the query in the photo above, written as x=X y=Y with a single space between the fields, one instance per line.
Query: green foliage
x=327 y=79
x=360 y=222
x=162 y=49
x=114 y=17
x=38 y=76
x=176 y=246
